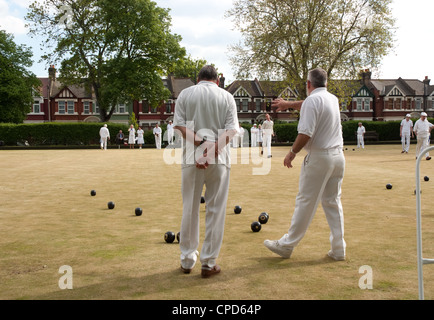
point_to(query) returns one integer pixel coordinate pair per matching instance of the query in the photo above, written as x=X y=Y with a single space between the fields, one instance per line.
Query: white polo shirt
x=207 y=110
x=406 y=126
x=422 y=128
x=104 y=132
x=267 y=127
x=320 y=119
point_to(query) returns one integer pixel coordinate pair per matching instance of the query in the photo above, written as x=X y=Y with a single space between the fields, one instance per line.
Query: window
x=359 y=104
x=418 y=103
x=169 y=106
x=61 y=107
x=238 y=102
x=70 y=107
x=86 y=107
x=36 y=107
x=145 y=106
x=245 y=105
x=367 y=104
x=258 y=105
x=390 y=104
x=96 y=107
x=121 y=108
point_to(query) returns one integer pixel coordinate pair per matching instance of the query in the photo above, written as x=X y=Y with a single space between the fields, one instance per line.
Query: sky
x=207 y=35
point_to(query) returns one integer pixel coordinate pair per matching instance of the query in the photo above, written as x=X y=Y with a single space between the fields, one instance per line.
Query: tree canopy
x=17 y=84
x=284 y=39
x=121 y=48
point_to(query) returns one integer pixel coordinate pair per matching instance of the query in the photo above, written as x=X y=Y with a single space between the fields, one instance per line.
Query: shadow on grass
x=174 y=283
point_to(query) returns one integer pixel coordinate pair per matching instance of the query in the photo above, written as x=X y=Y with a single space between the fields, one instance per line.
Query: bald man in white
x=206 y=116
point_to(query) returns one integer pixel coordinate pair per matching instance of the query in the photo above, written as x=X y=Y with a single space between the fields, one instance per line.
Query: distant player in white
x=157 y=134
x=131 y=136
x=361 y=136
x=235 y=140
x=104 y=134
x=170 y=132
x=140 y=139
x=406 y=130
x=254 y=135
x=241 y=136
x=267 y=129
x=422 y=129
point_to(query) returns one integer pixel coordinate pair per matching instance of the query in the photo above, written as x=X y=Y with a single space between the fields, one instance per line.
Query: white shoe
x=274 y=246
x=335 y=257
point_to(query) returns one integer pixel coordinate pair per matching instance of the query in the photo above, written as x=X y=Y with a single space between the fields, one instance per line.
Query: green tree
x=189 y=68
x=121 y=48
x=284 y=39
x=17 y=84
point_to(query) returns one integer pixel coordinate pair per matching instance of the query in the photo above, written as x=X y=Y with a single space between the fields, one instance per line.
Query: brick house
x=390 y=99
x=253 y=99
x=364 y=100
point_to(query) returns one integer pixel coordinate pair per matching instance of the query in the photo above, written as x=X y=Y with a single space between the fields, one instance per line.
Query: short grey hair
x=208 y=72
x=317 y=77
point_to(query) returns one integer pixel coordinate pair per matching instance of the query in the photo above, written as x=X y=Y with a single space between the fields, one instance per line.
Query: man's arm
x=299 y=144
x=283 y=105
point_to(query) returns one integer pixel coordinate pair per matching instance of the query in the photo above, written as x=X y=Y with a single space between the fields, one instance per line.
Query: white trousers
x=405 y=140
x=170 y=135
x=267 y=143
x=422 y=144
x=254 y=140
x=158 y=141
x=321 y=179
x=104 y=143
x=360 y=141
x=216 y=180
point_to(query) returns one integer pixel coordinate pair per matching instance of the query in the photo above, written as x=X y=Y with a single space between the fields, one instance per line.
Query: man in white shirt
x=241 y=136
x=268 y=132
x=254 y=135
x=406 y=131
x=422 y=129
x=206 y=117
x=170 y=133
x=361 y=136
x=157 y=134
x=322 y=172
x=104 y=134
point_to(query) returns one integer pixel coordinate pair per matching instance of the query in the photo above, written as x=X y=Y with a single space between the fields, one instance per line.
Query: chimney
x=222 y=81
x=52 y=73
x=366 y=76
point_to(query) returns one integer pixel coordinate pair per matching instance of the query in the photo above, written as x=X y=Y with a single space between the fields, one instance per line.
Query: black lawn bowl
x=138 y=211
x=263 y=218
x=169 y=237
x=237 y=209
x=111 y=205
x=256 y=226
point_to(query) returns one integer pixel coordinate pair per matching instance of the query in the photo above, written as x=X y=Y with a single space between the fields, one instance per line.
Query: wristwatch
x=292 y=151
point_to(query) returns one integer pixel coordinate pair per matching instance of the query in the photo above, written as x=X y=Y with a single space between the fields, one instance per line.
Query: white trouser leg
x=406 y=142
x=216 y=180
x=192 y=182
x=320 y=180
x=104 y=143
x=267 y=142
x=216 y=196
x=422 y=143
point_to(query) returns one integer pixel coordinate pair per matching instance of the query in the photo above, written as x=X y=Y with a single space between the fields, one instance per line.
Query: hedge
x=76 y=134
x=51 y=134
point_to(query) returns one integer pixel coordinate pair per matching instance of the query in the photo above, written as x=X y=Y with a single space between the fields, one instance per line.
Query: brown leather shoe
x=186 y=271
x=206 y=272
